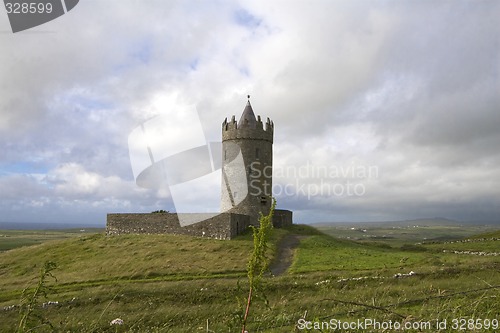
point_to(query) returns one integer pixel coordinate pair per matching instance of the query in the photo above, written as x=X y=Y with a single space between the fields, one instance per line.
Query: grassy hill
x=100 y=258
x=170 y=283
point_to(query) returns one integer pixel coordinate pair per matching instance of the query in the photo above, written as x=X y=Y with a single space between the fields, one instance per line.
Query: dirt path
x=285 y=254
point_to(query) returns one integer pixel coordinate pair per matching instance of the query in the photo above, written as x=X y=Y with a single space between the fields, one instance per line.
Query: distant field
x=11 y=239
x=398 y=234
x=169 y=283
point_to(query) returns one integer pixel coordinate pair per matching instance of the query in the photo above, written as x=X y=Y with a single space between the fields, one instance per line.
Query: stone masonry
x=222 y=226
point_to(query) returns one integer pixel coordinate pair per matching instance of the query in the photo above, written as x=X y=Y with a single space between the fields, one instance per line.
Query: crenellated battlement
x=232 y=129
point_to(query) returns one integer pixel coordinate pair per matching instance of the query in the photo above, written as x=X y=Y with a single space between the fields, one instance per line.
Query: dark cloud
x=409 y=87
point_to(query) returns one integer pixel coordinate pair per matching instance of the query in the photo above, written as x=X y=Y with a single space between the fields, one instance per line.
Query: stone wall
x=282 y=218
x=220 y=226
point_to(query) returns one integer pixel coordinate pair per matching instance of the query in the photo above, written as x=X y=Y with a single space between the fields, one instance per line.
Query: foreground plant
x=29 y=300
x=258 y=262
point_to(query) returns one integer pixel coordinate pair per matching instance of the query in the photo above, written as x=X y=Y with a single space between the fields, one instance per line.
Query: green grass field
x=169 y=283
x=11 y=239
x=397 y=234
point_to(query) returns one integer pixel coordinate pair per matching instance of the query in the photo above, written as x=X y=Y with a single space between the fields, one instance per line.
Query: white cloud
x=410 y=87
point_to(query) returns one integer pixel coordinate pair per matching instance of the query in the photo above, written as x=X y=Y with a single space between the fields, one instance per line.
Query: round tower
x=247 y=161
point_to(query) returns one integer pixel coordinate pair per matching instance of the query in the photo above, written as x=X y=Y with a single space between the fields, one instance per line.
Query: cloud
x=408 y=87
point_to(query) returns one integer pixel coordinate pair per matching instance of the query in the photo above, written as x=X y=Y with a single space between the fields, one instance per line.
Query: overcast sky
x=385 y=110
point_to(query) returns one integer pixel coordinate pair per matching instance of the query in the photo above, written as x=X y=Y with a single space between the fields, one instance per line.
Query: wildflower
x=116 y=321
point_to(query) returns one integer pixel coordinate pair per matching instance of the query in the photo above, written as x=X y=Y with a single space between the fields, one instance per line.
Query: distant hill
x=425 y=222
x=435 y=221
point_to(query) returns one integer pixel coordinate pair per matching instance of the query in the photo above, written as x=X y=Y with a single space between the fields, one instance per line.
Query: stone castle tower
x=247 y=161
x=247 y=165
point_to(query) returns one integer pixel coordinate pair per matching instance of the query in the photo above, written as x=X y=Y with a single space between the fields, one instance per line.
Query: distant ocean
x=45 y=226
